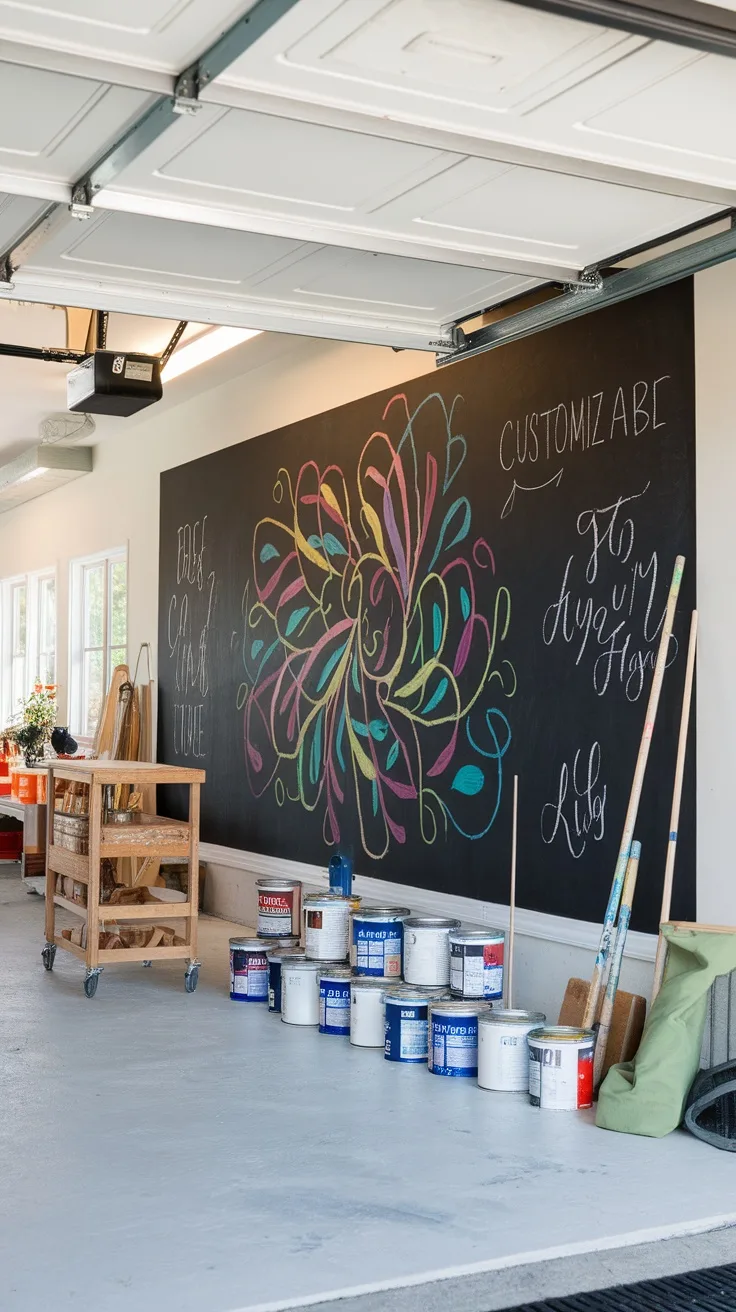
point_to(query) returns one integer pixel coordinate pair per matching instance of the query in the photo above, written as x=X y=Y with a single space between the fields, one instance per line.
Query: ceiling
x=370 y=170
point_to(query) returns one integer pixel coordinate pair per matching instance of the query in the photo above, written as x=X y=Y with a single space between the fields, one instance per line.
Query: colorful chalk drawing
x=371 y=632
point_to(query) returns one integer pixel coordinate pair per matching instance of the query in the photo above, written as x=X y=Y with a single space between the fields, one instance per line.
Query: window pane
x=118 y=606
x=47 y=630
x=94 y=601
x=19 y=619
x=17 y=685
x=117 y=657
x=92 y=691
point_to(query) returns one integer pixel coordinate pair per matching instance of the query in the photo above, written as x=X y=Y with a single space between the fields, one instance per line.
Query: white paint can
x=327 y=926
x=427 y=950
x=476 y=964
x=503 y=1051
x=561 y=1068
x=279 y=907
x=299 y=991
x=367 y=1010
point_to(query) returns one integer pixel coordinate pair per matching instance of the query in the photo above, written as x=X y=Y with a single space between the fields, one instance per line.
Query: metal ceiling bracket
x=690 y=23
x=173 y=342
x=620 y=285
x=230 y=46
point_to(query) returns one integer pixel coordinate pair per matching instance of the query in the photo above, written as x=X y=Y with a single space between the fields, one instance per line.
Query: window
x=28 y=638
x=99 y=633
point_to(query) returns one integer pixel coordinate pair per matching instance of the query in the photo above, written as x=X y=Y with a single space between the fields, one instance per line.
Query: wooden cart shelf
x=146 y=836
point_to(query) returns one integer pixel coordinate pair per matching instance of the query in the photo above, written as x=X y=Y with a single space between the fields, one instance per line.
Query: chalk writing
x=619 y=627
x=578 y=812
x=190 y=614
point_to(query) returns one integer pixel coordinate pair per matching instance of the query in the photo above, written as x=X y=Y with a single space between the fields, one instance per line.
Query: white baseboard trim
x=529 y=924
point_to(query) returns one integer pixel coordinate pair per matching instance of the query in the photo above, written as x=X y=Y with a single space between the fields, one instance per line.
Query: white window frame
x=77 y=568
x=9 y=708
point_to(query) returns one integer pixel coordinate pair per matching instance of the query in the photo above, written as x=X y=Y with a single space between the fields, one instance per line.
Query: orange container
x=27 y=786
x=4 y=769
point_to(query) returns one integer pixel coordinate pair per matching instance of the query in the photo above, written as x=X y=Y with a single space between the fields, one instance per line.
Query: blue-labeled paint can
x=407 y=1023
x=274 y=974
x=334 y=1001
x=377 y=941
x=453 y=1038
x=248 y=970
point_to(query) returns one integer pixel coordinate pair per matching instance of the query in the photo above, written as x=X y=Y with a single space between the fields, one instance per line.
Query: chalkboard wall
x=372 y=619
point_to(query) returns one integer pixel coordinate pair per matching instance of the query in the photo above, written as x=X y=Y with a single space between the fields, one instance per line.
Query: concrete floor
x=165 y=1151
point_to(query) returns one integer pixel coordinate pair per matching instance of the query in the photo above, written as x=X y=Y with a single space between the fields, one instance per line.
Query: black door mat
x=710 y=1290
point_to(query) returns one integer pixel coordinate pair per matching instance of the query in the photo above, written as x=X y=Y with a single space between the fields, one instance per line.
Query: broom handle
x=594 y=992
x=512 y=899
x=669 y=866
x=627 y=898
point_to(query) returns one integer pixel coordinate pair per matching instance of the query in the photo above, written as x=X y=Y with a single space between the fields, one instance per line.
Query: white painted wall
x=275 y=380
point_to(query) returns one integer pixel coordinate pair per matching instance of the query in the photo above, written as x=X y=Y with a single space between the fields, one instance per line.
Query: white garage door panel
x=491 y=69
x=128 y=262
x=547 y=216
x=52 y=126
x=162 y=34
x=154 y=251
x=258 y=161
x=16 y=214
x=257 y=166
x=390 y=285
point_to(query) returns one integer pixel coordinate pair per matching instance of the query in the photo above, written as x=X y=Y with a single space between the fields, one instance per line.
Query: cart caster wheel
x=47 y=955
x=191 y=977
x=145 y=963
x=91 y=981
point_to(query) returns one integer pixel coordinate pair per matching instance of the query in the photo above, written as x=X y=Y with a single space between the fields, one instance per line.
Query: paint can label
x=453 y=1048
x=476 y=970
x=377 y=947
x=326 y=931
x=248 y=975
x=406 y=1032
x=274 y=986
x=334 y=1007
x=561 y=1075
x=275 y=913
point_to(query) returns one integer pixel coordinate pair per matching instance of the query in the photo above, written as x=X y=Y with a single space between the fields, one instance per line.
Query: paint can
x=427 y=950
x=377 y=946
x=476 y=964
x=279 y=907
x=275 y=963
x=453 y=1037
x=561 y=1068
x=503 y=1051
x=334 y=1000
x=248 y=970
x=407 y=1022
x=327 y=926
x=367 y=1010
x=299 y=991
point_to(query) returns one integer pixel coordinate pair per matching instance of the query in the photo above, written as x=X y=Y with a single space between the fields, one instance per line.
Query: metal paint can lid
x=416 y=992
x=512 y=1016
x=431 y=922
x=318 y=899
x=287 y=884
x=278 y=944
x=248 y=944
x=382 y=913
x=553 y=1034
x=303 y=963
x=458 y=1007
x=334 y=972
x=287 y=954
x=480 y=936
x=374 y=982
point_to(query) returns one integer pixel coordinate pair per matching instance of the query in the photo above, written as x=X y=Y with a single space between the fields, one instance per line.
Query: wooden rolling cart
x=147 y=836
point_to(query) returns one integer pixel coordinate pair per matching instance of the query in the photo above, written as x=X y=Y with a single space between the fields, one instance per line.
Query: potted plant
x=34 y=730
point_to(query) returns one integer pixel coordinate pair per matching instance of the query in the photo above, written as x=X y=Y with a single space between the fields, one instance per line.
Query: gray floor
x=165 y=1151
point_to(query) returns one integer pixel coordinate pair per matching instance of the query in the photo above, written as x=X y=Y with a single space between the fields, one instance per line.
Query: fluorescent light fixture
x=205 y=348
x=39 y=470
